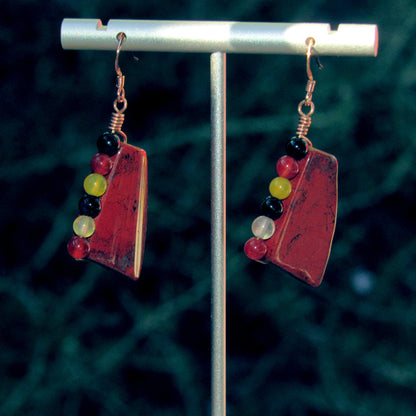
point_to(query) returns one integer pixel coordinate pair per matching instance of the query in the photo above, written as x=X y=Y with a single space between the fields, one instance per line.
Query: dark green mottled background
x=76 y=339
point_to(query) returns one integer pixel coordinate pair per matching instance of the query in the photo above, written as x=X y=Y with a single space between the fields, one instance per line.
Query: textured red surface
x=302 y=241
x=118 y=241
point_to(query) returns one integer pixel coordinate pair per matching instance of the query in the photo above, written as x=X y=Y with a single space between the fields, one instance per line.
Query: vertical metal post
x=218 y=231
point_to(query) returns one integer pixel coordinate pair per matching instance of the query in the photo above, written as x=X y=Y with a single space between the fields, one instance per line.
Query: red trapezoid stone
x=302 y=241
x=119 y=237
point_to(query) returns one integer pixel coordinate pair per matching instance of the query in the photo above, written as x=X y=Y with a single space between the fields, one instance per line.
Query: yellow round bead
x=280 y=187
x=84 y=226
x=95 y=184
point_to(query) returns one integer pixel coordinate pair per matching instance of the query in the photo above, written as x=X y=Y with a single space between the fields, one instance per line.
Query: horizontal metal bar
x=227 y=37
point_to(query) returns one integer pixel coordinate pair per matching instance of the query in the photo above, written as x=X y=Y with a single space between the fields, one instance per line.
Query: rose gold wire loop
x=116 y=105
x=306 y=104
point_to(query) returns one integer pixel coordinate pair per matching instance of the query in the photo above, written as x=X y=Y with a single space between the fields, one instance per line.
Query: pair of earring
x=294 y=232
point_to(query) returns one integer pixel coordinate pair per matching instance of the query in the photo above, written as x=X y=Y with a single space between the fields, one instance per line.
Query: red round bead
x=78 y=247
x=255 y=248
x=287 y=167
x=101 y=163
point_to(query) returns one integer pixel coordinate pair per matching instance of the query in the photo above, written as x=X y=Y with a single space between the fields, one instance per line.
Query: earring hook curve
x=121 y=37
x=310 y=42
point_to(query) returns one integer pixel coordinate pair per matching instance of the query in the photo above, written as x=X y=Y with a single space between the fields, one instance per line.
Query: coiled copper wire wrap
x=117 y=120
x=305 y=119
x=116 y=123
x=303 y=126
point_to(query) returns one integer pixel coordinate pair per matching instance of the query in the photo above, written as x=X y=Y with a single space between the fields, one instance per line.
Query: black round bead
x=297 y=148
x=89 y=205
x=108 y=143
x=272 y=207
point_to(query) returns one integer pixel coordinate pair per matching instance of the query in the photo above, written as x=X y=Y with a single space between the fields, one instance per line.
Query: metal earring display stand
x=219 y=38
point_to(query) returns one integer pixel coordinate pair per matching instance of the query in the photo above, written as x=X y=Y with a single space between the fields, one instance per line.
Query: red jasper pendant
x=120 y=228
x=302 y=241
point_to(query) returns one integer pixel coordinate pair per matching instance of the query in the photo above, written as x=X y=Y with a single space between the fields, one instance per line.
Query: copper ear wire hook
x=121 y=94
x=121 y=37
x=310 y=42
x=305 y=119
x=310 y=86
x=117 y=117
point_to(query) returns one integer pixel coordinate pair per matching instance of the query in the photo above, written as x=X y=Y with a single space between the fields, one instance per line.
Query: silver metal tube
x=218 y=232
x=227 y=37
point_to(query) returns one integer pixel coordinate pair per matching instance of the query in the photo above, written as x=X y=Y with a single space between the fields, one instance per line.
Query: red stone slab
x=118 y=241
x=302 y=241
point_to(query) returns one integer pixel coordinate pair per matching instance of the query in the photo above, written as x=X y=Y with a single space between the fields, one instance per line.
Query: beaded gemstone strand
x=264 y=226
x=95 y=186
